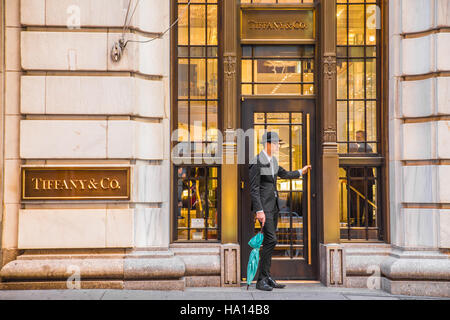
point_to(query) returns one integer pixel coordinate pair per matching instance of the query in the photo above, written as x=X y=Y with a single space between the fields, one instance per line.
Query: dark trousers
x=269 y=243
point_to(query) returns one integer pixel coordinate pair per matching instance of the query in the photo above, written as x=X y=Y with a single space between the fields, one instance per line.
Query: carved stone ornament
x=329 y=135
x=230 y=66
x=329 y=66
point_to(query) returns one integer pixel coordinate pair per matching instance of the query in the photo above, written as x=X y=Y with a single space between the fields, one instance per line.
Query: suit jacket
x=263 y=186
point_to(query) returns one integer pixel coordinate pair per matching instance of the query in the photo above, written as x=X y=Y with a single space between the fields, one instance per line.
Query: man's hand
x=261 y=217
x=306 y=168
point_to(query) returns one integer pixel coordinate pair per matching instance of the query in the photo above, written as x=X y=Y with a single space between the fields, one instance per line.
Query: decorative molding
x=230 y=265
x=229 y=62
x=329 y=134
x=329 y=66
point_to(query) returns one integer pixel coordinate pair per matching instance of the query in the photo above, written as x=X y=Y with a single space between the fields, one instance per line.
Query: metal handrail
x=358 y=193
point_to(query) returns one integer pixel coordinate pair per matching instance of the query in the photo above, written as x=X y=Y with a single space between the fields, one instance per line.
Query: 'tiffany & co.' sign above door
x=277 y=25
x=63 y=183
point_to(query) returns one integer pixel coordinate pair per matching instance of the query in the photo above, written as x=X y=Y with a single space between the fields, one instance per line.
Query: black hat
x=270 y=137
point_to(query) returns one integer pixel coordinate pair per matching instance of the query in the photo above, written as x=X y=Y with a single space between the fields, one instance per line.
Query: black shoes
x=263 y=285
x=273 y=284
x=267 y=284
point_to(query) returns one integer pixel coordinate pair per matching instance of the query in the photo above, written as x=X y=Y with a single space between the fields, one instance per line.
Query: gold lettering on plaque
x=75 y=183
x=277 y=25
x=296 y=25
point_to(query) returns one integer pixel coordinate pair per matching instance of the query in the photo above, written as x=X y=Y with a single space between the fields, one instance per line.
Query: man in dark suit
x=263 y=173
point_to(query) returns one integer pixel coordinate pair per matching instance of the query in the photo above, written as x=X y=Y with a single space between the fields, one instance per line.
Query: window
x=196 y=114
x=277 y=1
x=198 y=80
x=358 y=118
x=359 y=203
x=197 y=205
x=278 y=70
x=358 y=54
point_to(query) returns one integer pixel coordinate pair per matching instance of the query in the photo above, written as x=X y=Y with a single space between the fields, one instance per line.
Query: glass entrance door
x=295 y=255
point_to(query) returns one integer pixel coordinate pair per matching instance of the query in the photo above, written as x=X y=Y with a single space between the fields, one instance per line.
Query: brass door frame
x=309 y=269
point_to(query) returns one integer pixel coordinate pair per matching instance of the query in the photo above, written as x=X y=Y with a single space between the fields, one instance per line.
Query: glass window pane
x=246 y=71
x=183 y=130
x=341 y=14
x=212 y=79
x=246 y=89
x=283 y=51
x=342 y=148
x=371 y=121
x=356 y=25
x=342 y=121
x=341 y=79
x=356 y=52
x=198 y=121
x=212 y=25
x=341 y=52
x=371 y=24
x=284 y=153
x=297 y=118
x=212 y=121
x=371 y=51
x=183 y=25
x=371 y=79
x=278 y=117
x=183 y=52
x=198 y=75
x=198 y=51
x=247 y=51
x=356 y=115
x=183 y=82
x=198 y=25
x=308 y=89
x=296 y=149
x=308 y=70
x=258 y=118
x=212 y=52
x=273 y=89
x=283 y=71
x=356 y=79
x=258 y=132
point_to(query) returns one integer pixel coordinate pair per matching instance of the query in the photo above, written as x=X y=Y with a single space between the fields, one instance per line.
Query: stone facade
x=66 y=103
x=69 y=104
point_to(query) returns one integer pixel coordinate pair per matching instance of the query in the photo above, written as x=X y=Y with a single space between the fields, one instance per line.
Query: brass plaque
x=63 y=183
x=277 y=25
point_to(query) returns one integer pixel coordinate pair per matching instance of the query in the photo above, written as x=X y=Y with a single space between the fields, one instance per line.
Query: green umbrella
x=253 y=260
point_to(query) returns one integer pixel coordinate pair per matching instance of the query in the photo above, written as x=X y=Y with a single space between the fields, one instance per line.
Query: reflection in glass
x=297 y=147
x=198 y=76
x=197 y=203
x=278 y=70
x=290 y=219
x=357 y=64
x=197 y=25
x=358 y=204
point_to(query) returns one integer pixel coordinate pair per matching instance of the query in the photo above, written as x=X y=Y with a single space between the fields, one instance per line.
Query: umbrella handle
x=247 y=287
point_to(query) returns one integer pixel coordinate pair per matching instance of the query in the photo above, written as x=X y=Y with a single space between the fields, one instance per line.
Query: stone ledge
x=155 y=285
x=62 y=269
x=203 y=281
x=59 y=285
x=417 y=269
x=416 y=288
x=201 y=264
x=160 y=268
x=365 y=259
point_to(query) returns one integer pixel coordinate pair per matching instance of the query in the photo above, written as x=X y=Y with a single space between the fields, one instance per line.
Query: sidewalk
x=293 y=291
